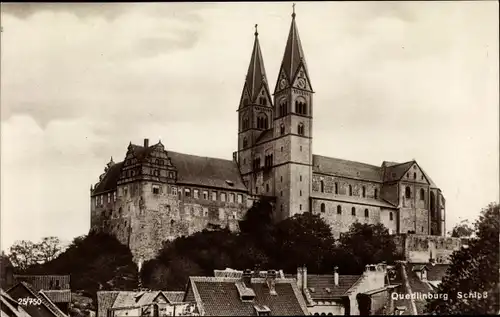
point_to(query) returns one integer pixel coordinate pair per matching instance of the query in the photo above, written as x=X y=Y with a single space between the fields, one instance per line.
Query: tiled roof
x=45 y=282
x=59 y=296
x=174 y=297
x=218 y=296
x=10 y=307
x=351 y=169
x=110 y=179
x=207 y=171
x=50 y=304
x=435 y=272
x=322 y=286
x=47 y=308
x=105 y=300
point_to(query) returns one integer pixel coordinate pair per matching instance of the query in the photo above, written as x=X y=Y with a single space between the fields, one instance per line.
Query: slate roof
x=340 y=167
x=110 y=179
x=191 y=170
x=322 y=286
x=218 y=296
x=435 y=272
x=206 y=171
x=256 y=75
x=105 y=300
x=10 y=307
x=45 y=282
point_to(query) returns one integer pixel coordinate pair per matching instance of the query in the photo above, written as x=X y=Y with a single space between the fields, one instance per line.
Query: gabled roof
x=435 y=272
x=58 y=296
x=322 y=286
x=351 y=169
x=46 y=308
x=10 y=307
x=174 y=296
x=396 y=171
x=110 y=179
x=105 y=301
x=207 y=171
x=50 y=304
x=218 y=296
x=293 y=57
x=45 y=282
x=256 y=75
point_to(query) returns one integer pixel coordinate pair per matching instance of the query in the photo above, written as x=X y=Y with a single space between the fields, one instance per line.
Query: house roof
x=435 y=272
x=219 y=296
x=105 y=301
x=58 y=296
x=174 y=296
x=351 y=169
x=256 y=75
x=10 y=307
x=50 y=304
x=45 y=282
x=322 y=286
x=207 y=171
x=47 y=308
x=191 y=170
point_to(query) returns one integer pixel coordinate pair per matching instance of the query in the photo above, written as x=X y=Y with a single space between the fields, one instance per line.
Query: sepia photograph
x=249 y=158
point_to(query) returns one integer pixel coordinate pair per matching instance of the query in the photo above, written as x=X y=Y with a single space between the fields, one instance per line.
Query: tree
x=22 y=254
x=26 y=253
x=462 y=230
x=475 y=269
x=304 y=239
x=365 y=244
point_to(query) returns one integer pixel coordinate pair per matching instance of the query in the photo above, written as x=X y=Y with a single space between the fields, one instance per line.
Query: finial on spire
x=256 y=32
x=293 y=8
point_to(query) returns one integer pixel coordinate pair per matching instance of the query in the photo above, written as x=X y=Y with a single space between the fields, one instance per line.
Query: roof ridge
x=199 y=156
x=346 y=160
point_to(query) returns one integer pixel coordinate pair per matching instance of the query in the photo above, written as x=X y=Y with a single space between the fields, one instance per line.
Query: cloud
x=393 y=81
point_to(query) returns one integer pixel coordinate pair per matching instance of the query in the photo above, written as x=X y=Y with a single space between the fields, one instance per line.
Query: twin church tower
x=275 y=130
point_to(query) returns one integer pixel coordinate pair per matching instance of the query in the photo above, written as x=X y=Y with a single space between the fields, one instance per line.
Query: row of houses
x=380 y=289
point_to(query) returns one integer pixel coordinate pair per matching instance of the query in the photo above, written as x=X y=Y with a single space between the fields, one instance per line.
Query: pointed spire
x=294 y=55
x=256 y=75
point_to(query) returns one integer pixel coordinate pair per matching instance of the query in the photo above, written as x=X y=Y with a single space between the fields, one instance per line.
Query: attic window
x=230 y=183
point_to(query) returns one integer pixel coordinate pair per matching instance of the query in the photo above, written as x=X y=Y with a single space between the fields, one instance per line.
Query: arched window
x=283 y=108
x=322 y=185
x=245 y=142
x=350 y=190
x=339 y=209
x=336 y=188
x=366 y=213
x=282 y=129
x=322 y=207
x=267 y=187
x=414 y=175
x=407 y=192
x=422 y=194
x=433 y=205
x=300 y=129
x=375 y=194
x=353 y=211
x=364 y=191
x=390 y=216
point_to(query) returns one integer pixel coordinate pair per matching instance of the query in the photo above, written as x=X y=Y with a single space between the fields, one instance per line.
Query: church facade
x=156 y=194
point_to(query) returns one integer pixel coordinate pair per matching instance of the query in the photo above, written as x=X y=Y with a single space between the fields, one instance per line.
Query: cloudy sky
x=393 y=81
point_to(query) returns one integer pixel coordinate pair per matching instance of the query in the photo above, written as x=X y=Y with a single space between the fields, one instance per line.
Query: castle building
x=156 y=194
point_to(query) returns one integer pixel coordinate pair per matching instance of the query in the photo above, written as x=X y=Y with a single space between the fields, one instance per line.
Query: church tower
x=255 y=116
x=292 y=124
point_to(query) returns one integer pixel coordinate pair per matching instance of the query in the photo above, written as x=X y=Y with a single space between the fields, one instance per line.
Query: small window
x=109 y=198
x=391 y=216
x=353 y=211
x=196 y=193
x=96 y=201
x=414 y=175
x=367 y=213
x=364 y=191
x=322 y=207
x=187 y=192
x=267 y=188
x=300 y=178
x=281 y=193
x=407 y=192
x=281 y=207
x=300 y=192
x=375 y=193
x=300 y=129
x=282 y=129
x=422 y=177
x=301 y=148
x=170 y=174
x=407 y=175
x=240 y=198
x=114 y=196
x=256 y=189
x=336 y=188
x=231 y=198
x=300 y=207
x=350 y=190
x=222 y=196
x=281 y=178
x=422 y=194
x=156 y=189
x=205 y=194
x=339 y=209
x=214 y=196
x=322 y=186
x=174 y=190
x=281 y=149
x=245 y=142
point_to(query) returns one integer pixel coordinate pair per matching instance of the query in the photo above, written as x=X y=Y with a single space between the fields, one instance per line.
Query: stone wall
x=417 y=248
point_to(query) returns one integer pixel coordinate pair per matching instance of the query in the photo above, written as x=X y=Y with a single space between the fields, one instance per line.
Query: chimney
x=302 y=277
x=146 y=143
x=336 y=276
x=271 y=282
x=247 y=278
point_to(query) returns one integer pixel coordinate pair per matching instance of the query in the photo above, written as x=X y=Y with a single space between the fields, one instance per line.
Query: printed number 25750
x=29 y=301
